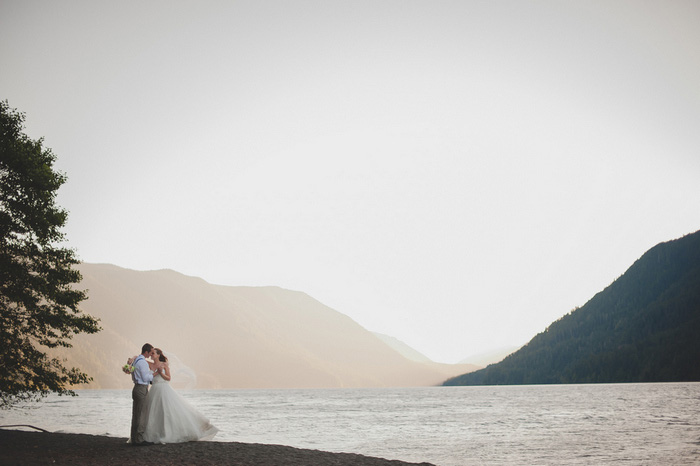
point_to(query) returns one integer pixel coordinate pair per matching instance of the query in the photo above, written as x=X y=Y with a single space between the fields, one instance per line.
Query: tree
x=38 y=303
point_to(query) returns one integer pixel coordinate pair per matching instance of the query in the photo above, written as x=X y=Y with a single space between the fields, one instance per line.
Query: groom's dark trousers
x=138 y=394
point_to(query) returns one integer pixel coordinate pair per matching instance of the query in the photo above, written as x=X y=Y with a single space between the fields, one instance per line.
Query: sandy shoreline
x=22 y=447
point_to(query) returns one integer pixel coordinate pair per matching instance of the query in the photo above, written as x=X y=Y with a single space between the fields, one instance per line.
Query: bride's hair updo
x=161 y=356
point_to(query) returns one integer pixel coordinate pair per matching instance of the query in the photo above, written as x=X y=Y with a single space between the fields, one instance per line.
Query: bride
x=167 y=416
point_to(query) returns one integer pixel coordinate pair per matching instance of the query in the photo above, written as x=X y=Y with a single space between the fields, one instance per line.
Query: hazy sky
x=456 y=174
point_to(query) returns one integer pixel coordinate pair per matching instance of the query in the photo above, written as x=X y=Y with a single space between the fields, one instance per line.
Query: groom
x=142 y=376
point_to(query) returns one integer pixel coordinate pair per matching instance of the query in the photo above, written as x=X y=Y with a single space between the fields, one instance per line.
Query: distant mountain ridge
x=403 y=349
x=489 y=357
x=644 y=327
x=233 y=337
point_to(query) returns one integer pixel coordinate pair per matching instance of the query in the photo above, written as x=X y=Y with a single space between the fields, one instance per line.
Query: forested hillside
x=644 y=327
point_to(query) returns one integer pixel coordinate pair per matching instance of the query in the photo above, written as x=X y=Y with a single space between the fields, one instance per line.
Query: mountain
x=644 y=327
x=489 y=357
x=402 y=348
x=232 y=337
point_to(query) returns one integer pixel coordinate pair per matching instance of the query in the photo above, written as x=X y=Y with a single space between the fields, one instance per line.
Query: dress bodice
x=158 y=379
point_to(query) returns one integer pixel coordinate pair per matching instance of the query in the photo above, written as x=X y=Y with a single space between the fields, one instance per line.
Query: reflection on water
x=544 y=424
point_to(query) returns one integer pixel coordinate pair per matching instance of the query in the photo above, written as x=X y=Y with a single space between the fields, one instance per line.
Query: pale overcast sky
x=456 y=174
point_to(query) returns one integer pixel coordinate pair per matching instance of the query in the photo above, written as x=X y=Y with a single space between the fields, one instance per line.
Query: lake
x=448 y=426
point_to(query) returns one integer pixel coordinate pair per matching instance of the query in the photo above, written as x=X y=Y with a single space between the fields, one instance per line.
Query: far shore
x=23 y=447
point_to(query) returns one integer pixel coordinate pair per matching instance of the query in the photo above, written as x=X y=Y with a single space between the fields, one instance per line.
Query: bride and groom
x=160 y=415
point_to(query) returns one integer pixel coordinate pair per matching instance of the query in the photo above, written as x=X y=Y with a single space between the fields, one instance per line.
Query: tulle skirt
x=169 y=418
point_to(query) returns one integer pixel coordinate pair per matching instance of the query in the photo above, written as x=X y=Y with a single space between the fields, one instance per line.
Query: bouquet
x=128 y=368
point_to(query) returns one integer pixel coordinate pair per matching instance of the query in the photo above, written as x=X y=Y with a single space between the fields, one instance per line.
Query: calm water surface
x=539 y=424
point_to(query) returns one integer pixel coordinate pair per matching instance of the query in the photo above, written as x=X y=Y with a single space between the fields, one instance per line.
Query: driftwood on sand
x=28 y=448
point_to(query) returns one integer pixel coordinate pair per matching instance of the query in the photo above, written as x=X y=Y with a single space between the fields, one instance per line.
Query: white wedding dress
x=169 y=418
